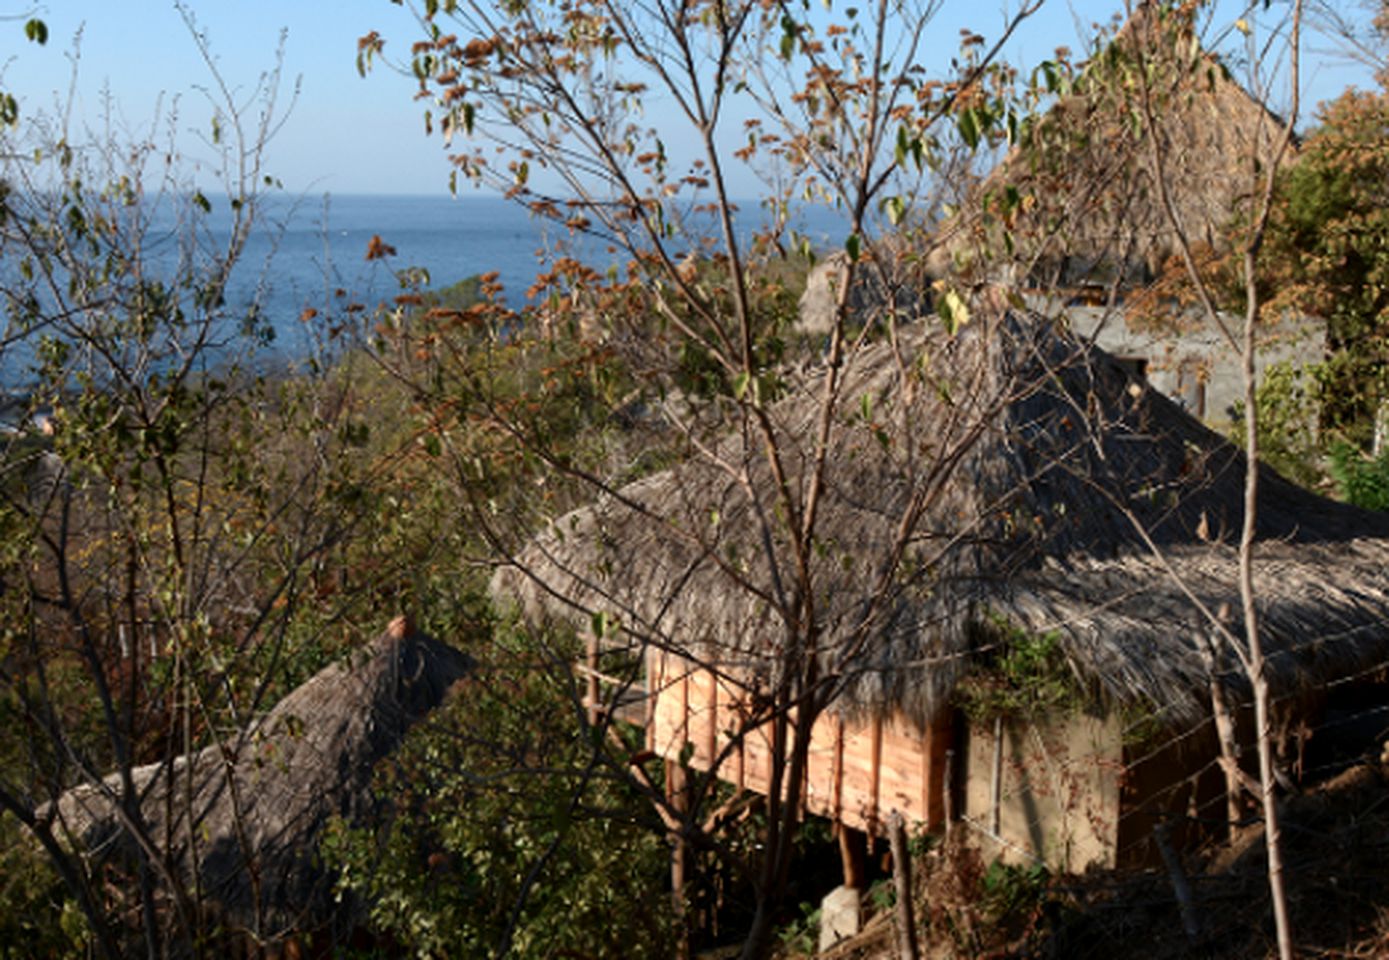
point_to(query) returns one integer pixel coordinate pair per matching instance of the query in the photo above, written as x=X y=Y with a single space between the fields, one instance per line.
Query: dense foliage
x=506 y=836
x=1327 y=252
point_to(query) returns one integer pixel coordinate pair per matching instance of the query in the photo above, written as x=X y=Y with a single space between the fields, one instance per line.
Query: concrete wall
x=1196 y=367
x=1058 y=789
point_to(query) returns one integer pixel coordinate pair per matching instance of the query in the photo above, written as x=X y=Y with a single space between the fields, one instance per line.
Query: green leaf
x=201 y=202
x=969 y=127
x=851 y=247
x=896 y=209
x=1011 y=199
x=953 y=311
x=37 y=31
x=603 y=623
x=789 y=30
x=740 y=385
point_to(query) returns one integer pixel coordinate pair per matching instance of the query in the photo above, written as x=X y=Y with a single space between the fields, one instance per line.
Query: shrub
x=1361 y=480
x=1022 y=674
x=503 y=839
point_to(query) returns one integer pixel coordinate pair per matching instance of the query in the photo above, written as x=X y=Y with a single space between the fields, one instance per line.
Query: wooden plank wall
x=859 y=772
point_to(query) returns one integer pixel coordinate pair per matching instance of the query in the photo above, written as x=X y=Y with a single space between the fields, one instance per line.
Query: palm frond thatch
x=1010 y=473
x=254 y=808
x=1151 y=114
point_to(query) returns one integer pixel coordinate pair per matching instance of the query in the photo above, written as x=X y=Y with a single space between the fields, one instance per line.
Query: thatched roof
x=1090 y=200
x=309 y=759
x=1051 y=491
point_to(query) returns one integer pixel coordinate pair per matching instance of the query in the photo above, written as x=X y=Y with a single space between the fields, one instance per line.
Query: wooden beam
x=928 y=775
x=948 y=792
x=853 y=855
x=875 y=773
x=654 y=679
x=677 y=793
x=713 y=738
x=907 y=948
x=837 y=777
x=742 y=763
x=684 y=727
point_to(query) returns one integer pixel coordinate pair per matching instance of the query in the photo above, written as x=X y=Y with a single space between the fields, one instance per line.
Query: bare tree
x=690 y=344
x=171 y=514
x=1155 y=68
x=1251 y=653
x=691 y=330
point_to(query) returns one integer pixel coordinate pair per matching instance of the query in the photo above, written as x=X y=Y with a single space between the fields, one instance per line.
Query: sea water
x=307 y=256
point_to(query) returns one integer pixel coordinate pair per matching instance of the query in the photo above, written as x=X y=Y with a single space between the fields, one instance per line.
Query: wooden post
x=677 y=793
x=684 y=706
x=902 y=880
x=741 y=768
x=948 y=791
x=929 y=781
x=875 y=773
x=853 y=855
x=712 y=740
x=837 y=777
x=655 y=679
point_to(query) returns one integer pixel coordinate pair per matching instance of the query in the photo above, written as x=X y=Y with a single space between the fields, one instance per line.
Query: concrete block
x=840 y=914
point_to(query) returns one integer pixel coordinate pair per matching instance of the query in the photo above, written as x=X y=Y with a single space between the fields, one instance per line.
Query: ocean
x=310 y=253
x=308 y=250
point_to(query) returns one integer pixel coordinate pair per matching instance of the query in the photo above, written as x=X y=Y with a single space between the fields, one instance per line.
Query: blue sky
x=346 y=134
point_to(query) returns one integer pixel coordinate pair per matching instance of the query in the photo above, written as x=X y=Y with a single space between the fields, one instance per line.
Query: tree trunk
x=1225 y=735
x=902 y=881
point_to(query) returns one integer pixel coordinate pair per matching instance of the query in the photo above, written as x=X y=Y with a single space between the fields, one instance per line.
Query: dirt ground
x=1336 y=854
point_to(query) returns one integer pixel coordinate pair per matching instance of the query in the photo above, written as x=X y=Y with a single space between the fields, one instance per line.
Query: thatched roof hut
x=1039 y=484
x=260 y=801
x=1091 y=206
x=1010 y=480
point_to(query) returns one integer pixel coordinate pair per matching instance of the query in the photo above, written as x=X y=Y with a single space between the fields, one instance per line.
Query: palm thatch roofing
x=1090 y=196
x=255 y=806
x=1010 y=473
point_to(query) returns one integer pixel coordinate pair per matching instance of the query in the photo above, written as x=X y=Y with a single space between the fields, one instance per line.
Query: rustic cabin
x=1005 y=500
